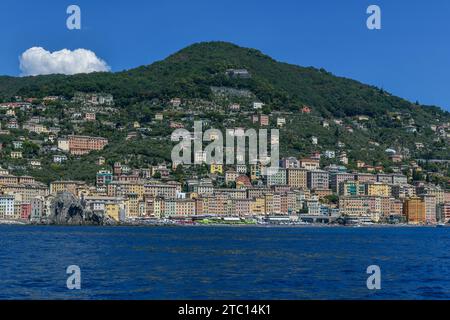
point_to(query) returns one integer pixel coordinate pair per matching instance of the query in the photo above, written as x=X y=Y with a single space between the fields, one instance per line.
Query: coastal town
x=326 y=186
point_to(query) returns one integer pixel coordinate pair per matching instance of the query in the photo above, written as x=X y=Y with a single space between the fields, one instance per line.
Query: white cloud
x=37 y=60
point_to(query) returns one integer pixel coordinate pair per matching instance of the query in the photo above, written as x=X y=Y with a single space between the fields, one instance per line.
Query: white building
x=281 y=122
x=313 y=206
x=241 y=168
x=59 y=158
x=6 y=207
x=17 y=144
x=63 y=144
x=257 y=105
x=329 y=154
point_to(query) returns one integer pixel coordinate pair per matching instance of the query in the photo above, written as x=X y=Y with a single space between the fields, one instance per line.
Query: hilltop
x=192 y=71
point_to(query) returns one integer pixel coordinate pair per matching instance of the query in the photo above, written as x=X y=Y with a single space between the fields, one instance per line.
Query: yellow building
x=354 y=206
x=272 y=203
x=297 y=178
x=132 y=206
x=136 y=188
x=67 y=186
x=216 y=168
x=8 y=179
x=17 y=210
x=112 y=210
x=378 y=189
x=185 y=207
x=414 y=210
x=158 y=207
x=124 y=188
x=258 y=206
x=168 y=191
x=16 y=154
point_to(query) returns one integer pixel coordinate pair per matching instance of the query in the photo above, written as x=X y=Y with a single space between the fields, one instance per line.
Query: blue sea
x=224 y=262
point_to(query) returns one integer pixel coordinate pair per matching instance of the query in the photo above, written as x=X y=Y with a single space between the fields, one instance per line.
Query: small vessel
x=440 y=225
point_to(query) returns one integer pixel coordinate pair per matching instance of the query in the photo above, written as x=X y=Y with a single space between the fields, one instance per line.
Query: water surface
x=224 y=262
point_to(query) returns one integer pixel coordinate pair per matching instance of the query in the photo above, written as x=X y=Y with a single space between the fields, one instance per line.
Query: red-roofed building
x=306 y=109
x=243 y=181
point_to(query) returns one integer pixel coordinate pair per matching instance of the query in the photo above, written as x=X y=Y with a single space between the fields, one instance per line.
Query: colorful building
x=414 y=210
x=216 y=168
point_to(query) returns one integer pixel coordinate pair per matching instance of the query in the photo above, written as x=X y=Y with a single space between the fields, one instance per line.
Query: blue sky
x=409 y=56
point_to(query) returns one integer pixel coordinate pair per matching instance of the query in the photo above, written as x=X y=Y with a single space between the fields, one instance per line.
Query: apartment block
x=444 y=212
x=167 y=191
x=403 y=191
x=310 y=164
x=317 y=179
x=414 y=210
x=26 y=191
x=378 y=189
x=276 y=177
x=6 y=207
x=66 y=186
x=297 y=178
x=337 y=177
x=351 y=188
x=365 y=177
x=430 y=208
x=80 y=145
x=104 y=177
x=230 y=193
x=431 y=190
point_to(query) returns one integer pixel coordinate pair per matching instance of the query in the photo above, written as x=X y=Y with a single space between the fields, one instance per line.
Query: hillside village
x=343 y=170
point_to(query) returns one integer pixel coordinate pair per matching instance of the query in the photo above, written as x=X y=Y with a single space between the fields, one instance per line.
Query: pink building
x=25 y=211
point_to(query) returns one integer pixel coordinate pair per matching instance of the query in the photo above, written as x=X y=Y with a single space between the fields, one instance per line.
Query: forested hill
x=192 y=71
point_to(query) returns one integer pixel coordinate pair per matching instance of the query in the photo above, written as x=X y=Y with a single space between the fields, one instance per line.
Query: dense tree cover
x=190 y=72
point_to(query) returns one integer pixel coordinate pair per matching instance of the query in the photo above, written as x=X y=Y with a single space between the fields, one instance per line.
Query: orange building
x=414 y=210
x=79 y=145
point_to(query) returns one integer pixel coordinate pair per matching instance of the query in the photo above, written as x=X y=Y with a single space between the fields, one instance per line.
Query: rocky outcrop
x=66 y=209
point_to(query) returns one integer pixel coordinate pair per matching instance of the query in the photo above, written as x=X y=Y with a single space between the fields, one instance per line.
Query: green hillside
x=190 y=72
x=199 y=75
